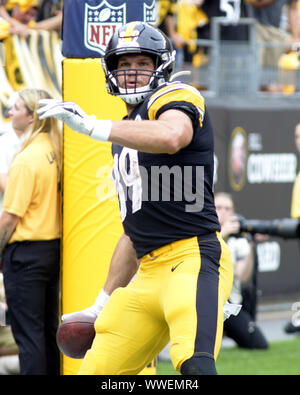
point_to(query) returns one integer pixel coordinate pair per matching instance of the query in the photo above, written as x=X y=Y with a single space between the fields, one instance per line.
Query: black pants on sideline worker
x=244 y=331
x=31 y=279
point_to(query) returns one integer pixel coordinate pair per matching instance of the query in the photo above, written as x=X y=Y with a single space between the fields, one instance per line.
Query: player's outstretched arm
x=122 y=268
x=172 y=131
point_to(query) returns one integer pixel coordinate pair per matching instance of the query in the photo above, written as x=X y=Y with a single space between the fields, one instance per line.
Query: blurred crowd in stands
x=19 y=16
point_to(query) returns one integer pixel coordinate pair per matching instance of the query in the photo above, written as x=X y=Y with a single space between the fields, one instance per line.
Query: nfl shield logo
x=101 y=22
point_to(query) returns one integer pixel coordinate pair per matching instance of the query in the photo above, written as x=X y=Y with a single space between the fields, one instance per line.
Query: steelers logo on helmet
x=138 y=38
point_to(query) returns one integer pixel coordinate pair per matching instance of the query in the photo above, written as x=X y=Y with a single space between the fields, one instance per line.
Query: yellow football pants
x=177 y=296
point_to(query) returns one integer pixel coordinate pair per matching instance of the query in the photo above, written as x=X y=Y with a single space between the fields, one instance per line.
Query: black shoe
x=291 y=328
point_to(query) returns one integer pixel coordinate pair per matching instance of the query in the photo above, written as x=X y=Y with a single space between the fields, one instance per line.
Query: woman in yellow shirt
x=30 y=230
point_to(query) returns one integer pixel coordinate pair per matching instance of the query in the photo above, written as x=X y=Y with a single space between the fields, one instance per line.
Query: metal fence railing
x=235 y=68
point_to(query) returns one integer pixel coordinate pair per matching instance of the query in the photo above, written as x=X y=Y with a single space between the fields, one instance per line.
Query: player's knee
x=199 y=365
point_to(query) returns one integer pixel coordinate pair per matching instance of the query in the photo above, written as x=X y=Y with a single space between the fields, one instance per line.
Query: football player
x=163 y=173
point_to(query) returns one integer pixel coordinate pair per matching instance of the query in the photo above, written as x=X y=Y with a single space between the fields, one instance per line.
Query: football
x=75 y=335
x=104 y=14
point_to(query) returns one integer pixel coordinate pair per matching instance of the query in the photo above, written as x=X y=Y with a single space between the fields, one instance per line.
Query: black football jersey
x=163 y=197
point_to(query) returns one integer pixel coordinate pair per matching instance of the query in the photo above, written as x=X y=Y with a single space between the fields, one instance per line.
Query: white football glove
x=68 y=112
x=74 y=117
x=92 y=311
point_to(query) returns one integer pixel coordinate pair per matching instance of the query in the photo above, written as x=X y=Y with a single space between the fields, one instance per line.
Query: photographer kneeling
x=241 y=328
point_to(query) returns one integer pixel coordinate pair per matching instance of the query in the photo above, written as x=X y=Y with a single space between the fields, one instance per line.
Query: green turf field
x=282 y=358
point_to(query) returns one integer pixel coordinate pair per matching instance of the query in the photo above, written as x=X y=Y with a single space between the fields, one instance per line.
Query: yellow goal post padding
x=91 y=216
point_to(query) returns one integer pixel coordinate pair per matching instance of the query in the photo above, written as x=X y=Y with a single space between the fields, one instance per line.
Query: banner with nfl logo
x=89 y=24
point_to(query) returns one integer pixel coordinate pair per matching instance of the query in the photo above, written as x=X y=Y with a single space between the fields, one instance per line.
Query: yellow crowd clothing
x=166 y=7
x=190 y=17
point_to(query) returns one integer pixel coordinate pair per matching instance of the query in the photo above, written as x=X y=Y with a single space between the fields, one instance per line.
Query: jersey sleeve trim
x=176 y=92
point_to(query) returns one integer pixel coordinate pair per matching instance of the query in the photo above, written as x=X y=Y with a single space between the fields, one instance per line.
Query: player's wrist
x=100 y=301
x=101 y=130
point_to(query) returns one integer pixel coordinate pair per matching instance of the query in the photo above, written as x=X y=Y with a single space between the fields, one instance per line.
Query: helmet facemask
x=134 y=95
